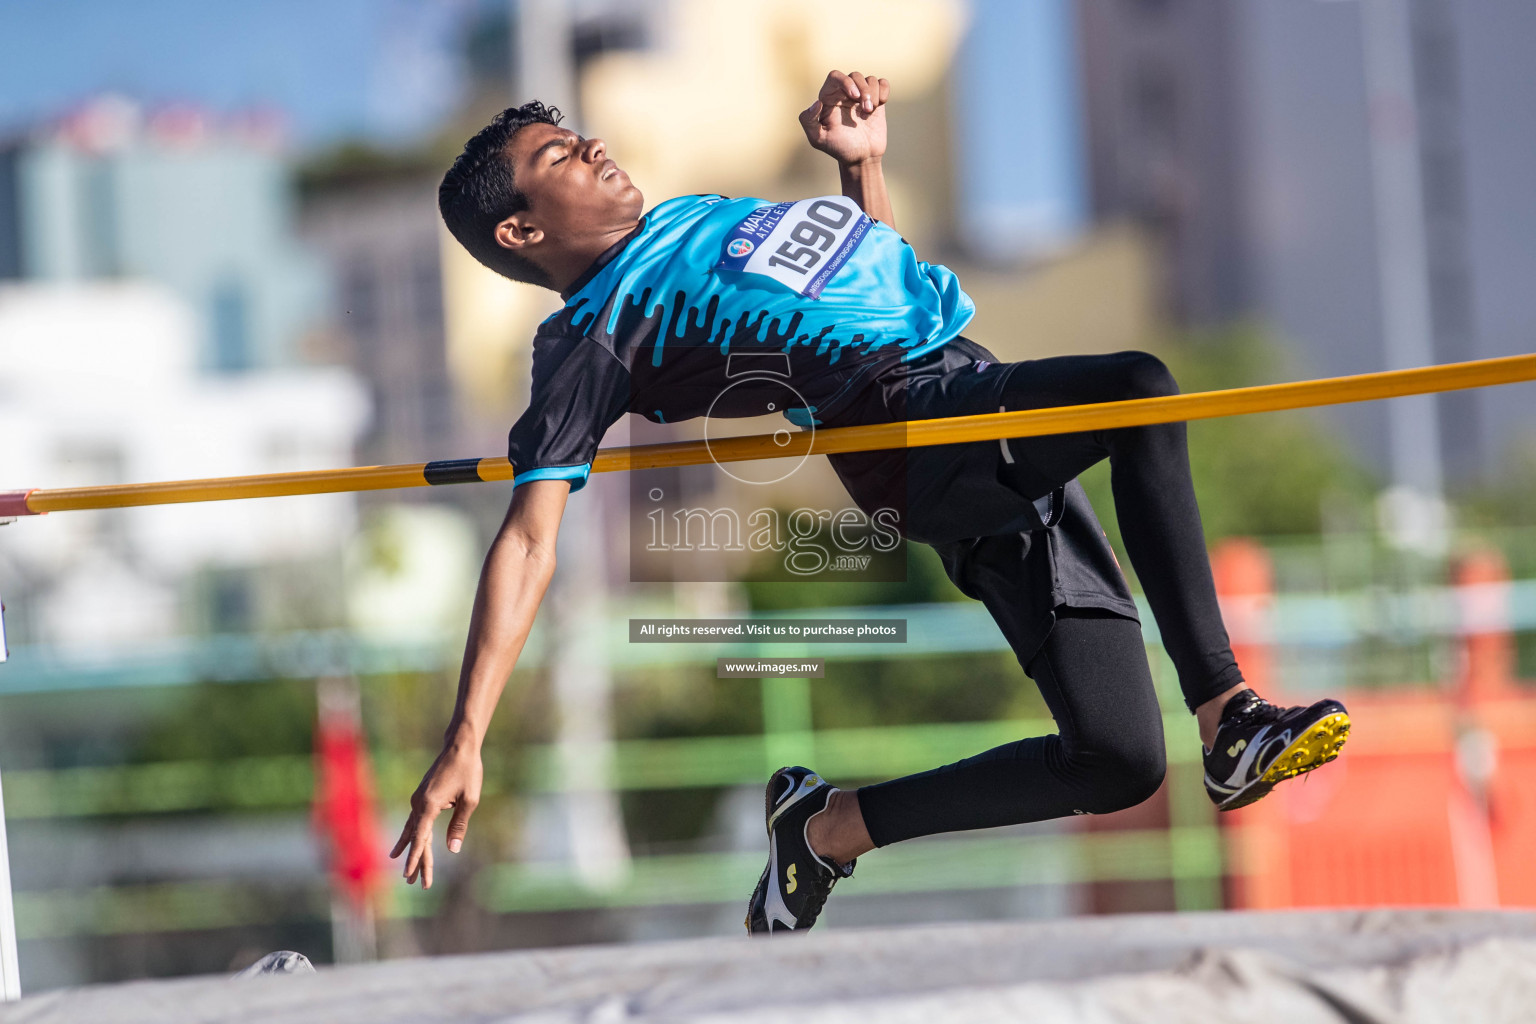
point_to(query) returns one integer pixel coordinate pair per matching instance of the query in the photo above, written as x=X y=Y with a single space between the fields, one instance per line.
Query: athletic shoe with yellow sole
x=796 y=881
x=1259 y=745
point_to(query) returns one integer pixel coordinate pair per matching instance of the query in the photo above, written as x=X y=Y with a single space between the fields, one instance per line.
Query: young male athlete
x=658 y=307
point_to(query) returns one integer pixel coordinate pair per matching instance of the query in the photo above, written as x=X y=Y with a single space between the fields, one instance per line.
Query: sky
x=383 y=69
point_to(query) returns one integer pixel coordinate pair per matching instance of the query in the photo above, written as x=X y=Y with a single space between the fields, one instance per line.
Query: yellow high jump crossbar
x=787 y=444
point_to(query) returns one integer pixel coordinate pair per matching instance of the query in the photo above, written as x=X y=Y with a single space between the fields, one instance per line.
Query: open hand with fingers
x=847 y=120
x=453 y=781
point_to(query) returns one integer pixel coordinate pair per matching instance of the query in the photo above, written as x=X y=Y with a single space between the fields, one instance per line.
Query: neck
x=571 y=262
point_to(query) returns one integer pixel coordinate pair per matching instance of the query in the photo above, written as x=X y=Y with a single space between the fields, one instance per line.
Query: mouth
x=610 y=169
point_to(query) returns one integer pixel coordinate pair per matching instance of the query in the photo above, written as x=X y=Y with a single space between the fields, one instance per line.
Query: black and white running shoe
x=1259 y=745
x=796 y=881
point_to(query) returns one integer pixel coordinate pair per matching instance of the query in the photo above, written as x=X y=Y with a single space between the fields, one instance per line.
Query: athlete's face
x=573 y=188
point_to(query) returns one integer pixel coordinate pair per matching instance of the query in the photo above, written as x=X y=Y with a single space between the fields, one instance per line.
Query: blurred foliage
x=1262 y=475
x=685 y=701
x=354 y=163
x=897 y=691
x=217 y=721
x=1269 y=475
x=772 y=587
x=1508 y=497
x=678 y=702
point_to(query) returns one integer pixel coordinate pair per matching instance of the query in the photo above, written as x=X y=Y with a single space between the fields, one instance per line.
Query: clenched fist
x=847 y=120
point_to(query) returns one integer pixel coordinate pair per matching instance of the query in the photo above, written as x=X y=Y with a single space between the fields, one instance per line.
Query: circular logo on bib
x=740 y=247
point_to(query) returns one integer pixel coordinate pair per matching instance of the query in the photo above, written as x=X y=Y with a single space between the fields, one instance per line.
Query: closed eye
x=569 y=142
x=560 y=144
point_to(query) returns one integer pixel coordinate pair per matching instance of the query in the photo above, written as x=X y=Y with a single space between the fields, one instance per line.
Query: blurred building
x=1249 y=138
x=99 y=384
x=1160 y=120
x=109 y=192
x=157 y=310
x=380 y=239
x=1017 y=131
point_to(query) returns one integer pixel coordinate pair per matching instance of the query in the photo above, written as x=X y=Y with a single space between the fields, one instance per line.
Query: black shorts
x=1007 y=533
x=955 y=491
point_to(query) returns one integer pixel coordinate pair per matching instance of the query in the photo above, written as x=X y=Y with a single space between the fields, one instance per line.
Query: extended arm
x=847 y=122
x=513 y=580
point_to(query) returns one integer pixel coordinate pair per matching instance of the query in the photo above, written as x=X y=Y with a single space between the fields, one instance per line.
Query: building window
x=437 y=409
x=229 y=602
x=360 y=300
x=1154 y=98
x=10 y=214
x=1436 y=74
x=231 y=327
x=427 y=290
x=100 y=242
x=1444 y=191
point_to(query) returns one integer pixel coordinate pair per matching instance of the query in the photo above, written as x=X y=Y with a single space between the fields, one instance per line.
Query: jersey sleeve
x=579 y=390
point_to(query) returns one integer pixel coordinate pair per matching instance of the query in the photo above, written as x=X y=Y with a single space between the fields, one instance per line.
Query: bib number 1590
x=815 y=235
x=801 y=245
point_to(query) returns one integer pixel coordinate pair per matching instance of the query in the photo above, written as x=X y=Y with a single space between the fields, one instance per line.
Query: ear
x=518 y=233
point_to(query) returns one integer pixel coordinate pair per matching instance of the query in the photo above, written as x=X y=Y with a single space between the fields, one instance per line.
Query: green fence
x=1188 y=853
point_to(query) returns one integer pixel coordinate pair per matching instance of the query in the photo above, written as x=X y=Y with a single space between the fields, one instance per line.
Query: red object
x=1487 y=663
x=1433 y=801
x=343 y=811
x=1245 y=581
x=14 y=503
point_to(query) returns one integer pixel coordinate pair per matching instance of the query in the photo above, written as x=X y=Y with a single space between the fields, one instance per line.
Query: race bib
x=800 y=245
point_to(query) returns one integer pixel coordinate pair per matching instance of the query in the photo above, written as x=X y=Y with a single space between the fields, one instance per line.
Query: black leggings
x=1109 y=754
x=1154 y=500
x=1092 y=667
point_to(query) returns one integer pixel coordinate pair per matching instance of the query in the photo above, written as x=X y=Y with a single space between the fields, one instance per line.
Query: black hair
x=478 y=192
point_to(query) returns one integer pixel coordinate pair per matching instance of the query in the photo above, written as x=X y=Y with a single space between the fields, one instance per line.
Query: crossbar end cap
x=14 y=503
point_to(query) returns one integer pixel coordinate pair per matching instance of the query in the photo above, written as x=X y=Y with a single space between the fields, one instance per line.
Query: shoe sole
x=762 y=882
x=1314 y=748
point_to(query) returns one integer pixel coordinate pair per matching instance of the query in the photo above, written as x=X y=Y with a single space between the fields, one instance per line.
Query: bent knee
x=1146 y=376
x=1143 y=774
x=1126 y=776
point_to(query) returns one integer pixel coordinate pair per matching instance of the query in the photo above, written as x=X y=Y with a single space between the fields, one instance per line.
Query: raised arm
x=847 y=122
x=513 y=580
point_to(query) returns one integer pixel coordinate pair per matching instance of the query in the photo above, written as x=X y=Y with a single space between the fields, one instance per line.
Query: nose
x=597 y=150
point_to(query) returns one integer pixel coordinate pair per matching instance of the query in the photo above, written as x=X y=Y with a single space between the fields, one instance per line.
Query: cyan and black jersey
x=710 y=294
